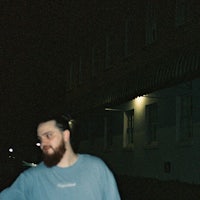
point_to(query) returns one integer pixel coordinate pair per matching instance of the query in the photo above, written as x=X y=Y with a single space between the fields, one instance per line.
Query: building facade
x=133 y=84
x=155 y=135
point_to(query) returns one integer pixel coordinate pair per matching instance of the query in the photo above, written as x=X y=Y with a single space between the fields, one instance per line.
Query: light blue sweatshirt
x=88 y=179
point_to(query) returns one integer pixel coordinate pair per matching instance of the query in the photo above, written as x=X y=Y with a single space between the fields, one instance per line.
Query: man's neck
x=69 y=158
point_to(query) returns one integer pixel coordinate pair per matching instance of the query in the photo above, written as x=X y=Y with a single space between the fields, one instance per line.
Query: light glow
x=140 y=102
x=112 y=109
x=38 y=144
x=10 y=150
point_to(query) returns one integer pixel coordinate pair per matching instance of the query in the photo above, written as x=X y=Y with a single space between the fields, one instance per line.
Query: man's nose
x=43 y=142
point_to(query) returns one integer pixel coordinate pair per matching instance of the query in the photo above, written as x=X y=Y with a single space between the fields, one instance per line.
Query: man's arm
x=15 y=191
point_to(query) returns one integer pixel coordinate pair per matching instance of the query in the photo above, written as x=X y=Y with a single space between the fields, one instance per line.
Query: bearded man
x=63 y=174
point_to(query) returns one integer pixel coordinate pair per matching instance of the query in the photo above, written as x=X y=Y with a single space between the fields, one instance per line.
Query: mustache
x=46 y=147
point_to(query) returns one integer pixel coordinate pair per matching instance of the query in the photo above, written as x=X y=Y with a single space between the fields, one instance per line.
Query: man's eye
x=49 y=135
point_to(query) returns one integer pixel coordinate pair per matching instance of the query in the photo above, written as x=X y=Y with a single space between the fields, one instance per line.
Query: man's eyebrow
x=45 y=133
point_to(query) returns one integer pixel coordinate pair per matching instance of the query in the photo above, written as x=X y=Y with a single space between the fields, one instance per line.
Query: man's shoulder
x=91 y=159
x=35 y=169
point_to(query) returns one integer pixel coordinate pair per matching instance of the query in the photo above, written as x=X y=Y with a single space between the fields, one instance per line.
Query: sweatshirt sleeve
x=108 y=183
x=110 y=187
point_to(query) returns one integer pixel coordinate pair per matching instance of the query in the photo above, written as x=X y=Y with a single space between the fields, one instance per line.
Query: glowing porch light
x=139 y=100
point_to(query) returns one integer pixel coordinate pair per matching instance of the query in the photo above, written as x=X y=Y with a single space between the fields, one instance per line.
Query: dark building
x=147 y=49
x=126 y=50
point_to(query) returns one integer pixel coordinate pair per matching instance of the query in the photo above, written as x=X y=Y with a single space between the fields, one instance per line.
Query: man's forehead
x=46 y=125
x=50 y=122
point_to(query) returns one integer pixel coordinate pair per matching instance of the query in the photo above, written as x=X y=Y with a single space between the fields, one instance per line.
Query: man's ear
x=66 y=134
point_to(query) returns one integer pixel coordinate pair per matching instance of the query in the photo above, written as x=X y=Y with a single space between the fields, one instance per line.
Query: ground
x=153 y=189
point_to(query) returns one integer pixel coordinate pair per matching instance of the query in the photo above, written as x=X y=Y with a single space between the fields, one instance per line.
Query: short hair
x=65 y=122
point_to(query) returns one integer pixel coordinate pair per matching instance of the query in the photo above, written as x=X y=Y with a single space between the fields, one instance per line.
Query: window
x=108 y=58
x=129 y=35
x=151 y=123
x=129 y=129
x=80 y=72
x=184 y=118
x=98 y=57
x=93 y=70
x=70 y=77
x=108 y=135
x=151 y=24
x=109 y=51
x=180 y=12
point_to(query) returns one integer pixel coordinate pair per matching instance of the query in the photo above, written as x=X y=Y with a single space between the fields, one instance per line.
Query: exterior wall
x=168 y=158
x=148 y=65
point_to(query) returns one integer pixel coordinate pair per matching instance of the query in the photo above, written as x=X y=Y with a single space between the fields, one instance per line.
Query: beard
x=53 y=159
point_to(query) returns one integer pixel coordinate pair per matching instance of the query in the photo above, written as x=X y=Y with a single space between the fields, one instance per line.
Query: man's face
x=52 y=143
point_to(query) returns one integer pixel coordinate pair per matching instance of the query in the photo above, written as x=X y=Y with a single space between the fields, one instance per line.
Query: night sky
x=34 y=54
x=38 y=39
